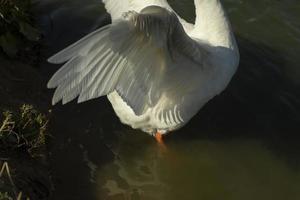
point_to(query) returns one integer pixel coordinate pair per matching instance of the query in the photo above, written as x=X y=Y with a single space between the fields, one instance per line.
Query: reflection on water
x=242 y=145
x=197 y=169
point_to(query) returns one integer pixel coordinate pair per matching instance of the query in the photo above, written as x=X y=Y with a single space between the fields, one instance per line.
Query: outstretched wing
x=144 y=57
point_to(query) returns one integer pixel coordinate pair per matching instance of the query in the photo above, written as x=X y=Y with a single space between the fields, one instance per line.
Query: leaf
x=9 y=44
x=29 y=32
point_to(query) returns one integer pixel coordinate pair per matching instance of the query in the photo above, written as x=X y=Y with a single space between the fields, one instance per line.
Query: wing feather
x=144 y=57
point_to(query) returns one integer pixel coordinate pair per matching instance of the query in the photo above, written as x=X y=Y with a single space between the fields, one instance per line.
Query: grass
x=6 y=171
x=7 y=195
x=24 y=129
x=18 y=34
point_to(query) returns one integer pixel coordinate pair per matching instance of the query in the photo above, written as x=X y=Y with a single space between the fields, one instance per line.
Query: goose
x=156 y=69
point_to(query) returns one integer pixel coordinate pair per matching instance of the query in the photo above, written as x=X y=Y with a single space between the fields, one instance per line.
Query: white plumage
x=156 y=69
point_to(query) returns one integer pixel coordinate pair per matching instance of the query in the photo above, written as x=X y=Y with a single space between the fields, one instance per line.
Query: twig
x=4 y=124
x=19 y=196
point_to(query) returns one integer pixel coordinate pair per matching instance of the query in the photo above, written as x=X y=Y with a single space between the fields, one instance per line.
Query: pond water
x=243 y=144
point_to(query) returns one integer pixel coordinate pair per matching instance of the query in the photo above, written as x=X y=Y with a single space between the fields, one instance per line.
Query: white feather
x=156 y=69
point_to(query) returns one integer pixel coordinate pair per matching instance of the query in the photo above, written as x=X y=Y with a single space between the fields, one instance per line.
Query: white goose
x=156 y=69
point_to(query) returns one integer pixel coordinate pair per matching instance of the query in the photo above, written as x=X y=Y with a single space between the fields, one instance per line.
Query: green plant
x=16 y=26
x=23 y=129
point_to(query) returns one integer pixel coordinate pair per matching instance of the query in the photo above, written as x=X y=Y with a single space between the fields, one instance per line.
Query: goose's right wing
x=144 y=57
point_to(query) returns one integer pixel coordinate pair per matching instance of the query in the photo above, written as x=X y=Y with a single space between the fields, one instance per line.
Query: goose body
x=156 y=69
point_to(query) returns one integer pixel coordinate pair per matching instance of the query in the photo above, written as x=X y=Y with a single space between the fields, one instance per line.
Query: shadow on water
x=241 y=145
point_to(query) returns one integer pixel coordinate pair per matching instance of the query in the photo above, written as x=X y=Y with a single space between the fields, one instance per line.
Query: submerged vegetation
x=18 y=35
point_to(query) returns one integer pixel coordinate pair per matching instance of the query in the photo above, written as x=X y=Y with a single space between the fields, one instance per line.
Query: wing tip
x=50 y=85
x=54 y=102
x=53 y=60
x=65 y=101
x=83 y=98
x=80 y=100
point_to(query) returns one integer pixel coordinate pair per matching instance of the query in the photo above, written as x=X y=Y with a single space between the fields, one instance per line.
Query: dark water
x=244 y=144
